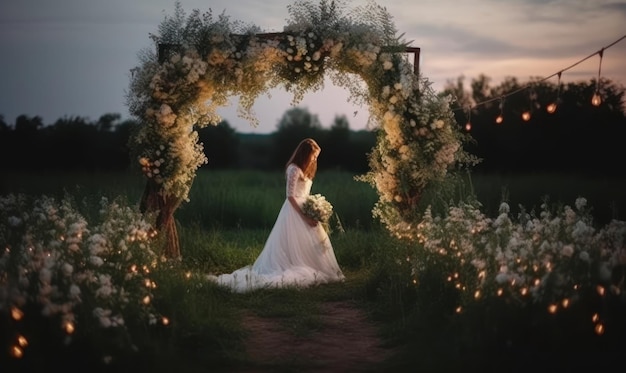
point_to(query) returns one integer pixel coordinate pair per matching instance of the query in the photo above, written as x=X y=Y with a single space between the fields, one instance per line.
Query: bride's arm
x=293 y=173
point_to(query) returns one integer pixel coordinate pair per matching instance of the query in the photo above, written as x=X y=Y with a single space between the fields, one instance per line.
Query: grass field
x=236 y=199
x=224 y=226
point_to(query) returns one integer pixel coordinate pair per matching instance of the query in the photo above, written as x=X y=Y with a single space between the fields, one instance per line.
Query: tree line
x=78 y=144
x=577 y=137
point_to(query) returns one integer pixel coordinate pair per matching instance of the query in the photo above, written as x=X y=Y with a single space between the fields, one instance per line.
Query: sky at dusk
x=67 y=58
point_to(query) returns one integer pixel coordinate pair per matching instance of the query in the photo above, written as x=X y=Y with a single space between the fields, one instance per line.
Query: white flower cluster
x=303 y=53
x=554 y=259
x=318 y=208
x=419 y=142
x=52 y=260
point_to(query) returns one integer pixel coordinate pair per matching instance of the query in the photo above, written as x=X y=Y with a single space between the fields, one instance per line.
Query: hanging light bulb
x=468 y=125
x=531 y=98
x=551 y=108
x=596 y=99
x=500 y=118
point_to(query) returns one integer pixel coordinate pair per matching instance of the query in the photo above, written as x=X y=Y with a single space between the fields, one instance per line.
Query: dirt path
x=346 y=342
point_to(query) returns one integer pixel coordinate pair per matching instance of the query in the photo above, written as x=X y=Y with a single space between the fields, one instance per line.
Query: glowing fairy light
x=17 y=352
x=500 y=118
x=553 y=308
x=595 y=317
x=22 y=341
x=477 y=294
x=500 y=292
x=146 y=300
x=600 y=290
x=524 y=291
x=551 y=108
x=69 y=328
x=565 y=303
x=596 y=99
x=16 y=314
x=459 y=309
x=188 y=275
x=165 y=321
x=599 y=329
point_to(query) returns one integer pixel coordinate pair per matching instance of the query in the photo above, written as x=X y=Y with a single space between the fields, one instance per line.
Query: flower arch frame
x=204 y=60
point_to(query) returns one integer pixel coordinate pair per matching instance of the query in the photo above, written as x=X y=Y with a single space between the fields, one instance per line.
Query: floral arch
x=205 y=60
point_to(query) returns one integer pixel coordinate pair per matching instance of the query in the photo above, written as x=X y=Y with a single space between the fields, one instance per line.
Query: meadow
x=224 y=226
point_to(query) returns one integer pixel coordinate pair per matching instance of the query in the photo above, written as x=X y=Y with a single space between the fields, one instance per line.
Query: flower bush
x=553 y=260
x=88 y=280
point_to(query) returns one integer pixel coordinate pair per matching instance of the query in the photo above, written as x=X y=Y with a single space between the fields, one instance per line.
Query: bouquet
x=317 y=207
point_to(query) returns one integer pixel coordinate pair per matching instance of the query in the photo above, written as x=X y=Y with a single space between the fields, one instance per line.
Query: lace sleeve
x=293 y=174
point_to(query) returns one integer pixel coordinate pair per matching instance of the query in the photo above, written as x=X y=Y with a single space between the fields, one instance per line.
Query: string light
x=468 y=125
x=528 y=113
x=551 y=108
x=500 y=118
x=596 y=100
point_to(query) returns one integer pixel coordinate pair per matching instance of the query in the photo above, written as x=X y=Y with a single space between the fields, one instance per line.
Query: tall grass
x=233 y=199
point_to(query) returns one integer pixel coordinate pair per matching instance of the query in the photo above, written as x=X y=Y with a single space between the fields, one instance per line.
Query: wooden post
x=153 y=201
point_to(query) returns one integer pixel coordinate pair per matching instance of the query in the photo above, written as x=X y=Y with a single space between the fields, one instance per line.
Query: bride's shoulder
x=293 y=168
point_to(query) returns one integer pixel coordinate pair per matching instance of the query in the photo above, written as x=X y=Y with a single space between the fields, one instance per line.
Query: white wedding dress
x=295 y=254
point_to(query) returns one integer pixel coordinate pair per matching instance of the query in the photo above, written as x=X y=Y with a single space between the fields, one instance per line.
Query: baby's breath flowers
x=84 y=278
x=318 y=208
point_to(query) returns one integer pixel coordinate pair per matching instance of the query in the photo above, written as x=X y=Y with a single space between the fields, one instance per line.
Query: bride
x=298 y=251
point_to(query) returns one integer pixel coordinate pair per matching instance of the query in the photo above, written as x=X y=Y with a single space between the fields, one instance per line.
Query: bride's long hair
x=301 y=157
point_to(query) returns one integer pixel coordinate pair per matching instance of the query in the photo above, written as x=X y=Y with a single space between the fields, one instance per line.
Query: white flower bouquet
x=317 y=207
